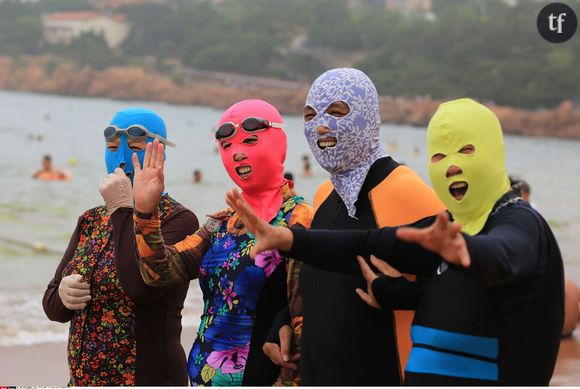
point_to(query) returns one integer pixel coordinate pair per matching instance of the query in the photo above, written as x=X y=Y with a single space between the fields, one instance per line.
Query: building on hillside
x=401 y=6
x=114 y=4
x=409 y=6
x=65 y=27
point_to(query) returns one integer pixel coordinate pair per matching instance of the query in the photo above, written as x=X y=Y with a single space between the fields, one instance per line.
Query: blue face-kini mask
x=357 y=134
x=123 y=155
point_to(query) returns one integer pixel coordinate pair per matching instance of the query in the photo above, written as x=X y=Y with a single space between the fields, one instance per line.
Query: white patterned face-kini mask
x=357 y=133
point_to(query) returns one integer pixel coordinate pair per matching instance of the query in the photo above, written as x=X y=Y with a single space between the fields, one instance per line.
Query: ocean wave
x=23 y=321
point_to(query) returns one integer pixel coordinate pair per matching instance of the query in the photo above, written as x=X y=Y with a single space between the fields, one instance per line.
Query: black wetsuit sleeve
x=51 y=302
x=281 y=319
x=336 y=250
x=508 y=253
x=397 y=293
x=175 y=229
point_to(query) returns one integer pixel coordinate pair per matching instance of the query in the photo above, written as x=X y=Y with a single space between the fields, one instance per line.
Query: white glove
x=117 y=191
x=74 y=293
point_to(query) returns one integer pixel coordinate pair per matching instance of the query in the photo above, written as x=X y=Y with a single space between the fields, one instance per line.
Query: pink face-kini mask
x=254 y=156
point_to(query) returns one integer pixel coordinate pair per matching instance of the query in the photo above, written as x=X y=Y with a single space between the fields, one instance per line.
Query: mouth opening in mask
x=122 y=166
x=244 y=171
x=458 y=190
x=327 y=142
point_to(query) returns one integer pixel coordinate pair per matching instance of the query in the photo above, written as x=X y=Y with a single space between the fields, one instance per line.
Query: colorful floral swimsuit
x=230 y=280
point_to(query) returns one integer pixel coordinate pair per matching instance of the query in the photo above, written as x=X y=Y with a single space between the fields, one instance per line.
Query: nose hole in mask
x=129 y=174
x=122 y=165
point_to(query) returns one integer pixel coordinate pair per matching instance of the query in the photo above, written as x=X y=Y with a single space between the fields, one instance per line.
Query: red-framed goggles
x=249 y=125
x=135 y=132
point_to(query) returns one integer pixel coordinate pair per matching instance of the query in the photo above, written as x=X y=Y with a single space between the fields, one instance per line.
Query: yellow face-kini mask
x=465 y=138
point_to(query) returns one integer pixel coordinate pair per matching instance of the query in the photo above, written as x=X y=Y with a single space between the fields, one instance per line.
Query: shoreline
x=49 y=75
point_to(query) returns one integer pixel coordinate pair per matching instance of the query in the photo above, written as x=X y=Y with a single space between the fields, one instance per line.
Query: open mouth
x=327 y=142
x=458 y=190
x=244 y=171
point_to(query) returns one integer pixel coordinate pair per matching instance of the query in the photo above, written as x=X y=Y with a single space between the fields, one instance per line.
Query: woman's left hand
x=116 y=191
x=368 y=296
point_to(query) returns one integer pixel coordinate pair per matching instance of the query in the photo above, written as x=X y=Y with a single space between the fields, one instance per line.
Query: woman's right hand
x=74 y=292
x=267 y=236
x=148 y=183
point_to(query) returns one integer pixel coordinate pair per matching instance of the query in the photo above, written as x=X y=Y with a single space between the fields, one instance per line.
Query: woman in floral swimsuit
x=241 y=295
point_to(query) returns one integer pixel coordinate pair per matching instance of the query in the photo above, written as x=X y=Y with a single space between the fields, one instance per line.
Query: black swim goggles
x=249 y=125
x=135 y=132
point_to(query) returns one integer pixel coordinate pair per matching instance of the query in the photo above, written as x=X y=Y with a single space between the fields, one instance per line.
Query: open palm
x=443 y=237
x=148 y=183
x=267 y=236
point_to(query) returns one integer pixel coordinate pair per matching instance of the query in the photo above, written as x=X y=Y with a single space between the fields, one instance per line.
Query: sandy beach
x=45 y=364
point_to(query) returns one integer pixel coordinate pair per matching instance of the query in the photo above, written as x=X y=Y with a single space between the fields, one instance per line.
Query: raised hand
x=368 y=296
x=442 y=237
x=148 y=183
x=267 y=236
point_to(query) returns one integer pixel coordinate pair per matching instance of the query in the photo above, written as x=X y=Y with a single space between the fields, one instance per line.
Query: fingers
x=384 y=267
x=441 y=221
x=147 y=158
x=78 y=299
x=462 y=250
x=368 y=274
x=120 y=172
x=160 y=160
x=272 y=351
x=154 y=152
x=136 y=164
x=76 y=281
x=230 y=200
x=76 y=292
x=366 y=298
x=285 y=334
x=75 y=307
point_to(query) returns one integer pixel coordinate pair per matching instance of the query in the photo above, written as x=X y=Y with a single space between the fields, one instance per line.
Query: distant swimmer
x=416 y=152
x=306 y=170
x=197 y=176
x=48 y=173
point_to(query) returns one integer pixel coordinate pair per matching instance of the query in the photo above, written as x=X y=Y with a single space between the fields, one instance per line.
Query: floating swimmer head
x=255 y=160
x=467 y=161
x=119 y=153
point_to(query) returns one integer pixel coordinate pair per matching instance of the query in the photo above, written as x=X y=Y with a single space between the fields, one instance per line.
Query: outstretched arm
x=335 y=250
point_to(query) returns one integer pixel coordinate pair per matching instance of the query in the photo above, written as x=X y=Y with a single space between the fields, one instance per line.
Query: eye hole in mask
x=225 y=144
x=251 y=140
x=467 y=149
x=113 y=145
x=338 y=109
x=309 y=113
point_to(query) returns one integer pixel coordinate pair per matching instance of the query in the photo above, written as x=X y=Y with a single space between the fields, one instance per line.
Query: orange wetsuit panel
x=402 y=198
